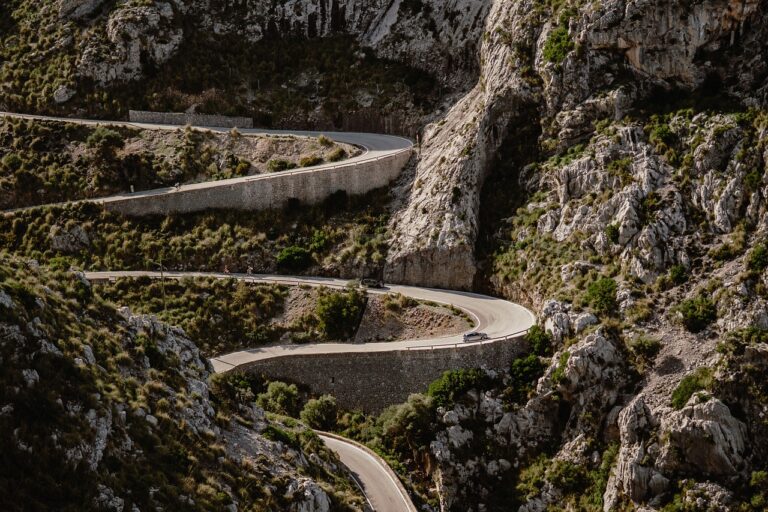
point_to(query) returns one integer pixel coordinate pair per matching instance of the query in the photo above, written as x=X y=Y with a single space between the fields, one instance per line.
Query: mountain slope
x=102 y=410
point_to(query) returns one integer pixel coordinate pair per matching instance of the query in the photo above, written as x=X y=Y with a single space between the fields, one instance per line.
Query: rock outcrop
x=524 y=80
x=439 y=37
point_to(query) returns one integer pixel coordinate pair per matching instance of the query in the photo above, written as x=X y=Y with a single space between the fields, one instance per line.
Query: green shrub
x=409 y=426
x=601 y=295
x=539 y=341
x=612 y=233
x=699 y=380
x=532 y=478
x=558 y=45
x=324 y=141
x=523 y=372
x=678 y=274
x=558 y=376
x=320 y=240
x=645 y=347
x=294 y=258
x=236 y=388
x=12 y=162
x=278 y=164
x=337 y=154
x=103 y=138
x=734 y=342
x=757 y=260
x=566 y=475
x=454 y=383
x=274 y=433
x=621 y=168
x=320 y=413
x=697 y=313
x=280 y=398
x=309 y=161
x=662 y=135
x=753 y=179
x=338 y=313
x=724 y=252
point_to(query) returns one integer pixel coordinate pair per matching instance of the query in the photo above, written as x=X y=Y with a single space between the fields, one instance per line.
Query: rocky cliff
x=104 y=410
x=440 y=37
x=563 y=67
x=643 y=251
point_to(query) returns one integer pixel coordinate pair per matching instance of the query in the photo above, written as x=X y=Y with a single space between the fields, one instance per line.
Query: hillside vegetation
x=45 y=162
x=105 y=411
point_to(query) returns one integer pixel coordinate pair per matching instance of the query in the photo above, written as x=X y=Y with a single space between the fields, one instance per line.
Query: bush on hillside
x=453 y=383
x=309 y=161
x=524 y=372
x=294 y=258
x=337 y=154
x=758 y=258
x=539 y=341
x=338 y=313
x=278 y=164
x=699 y=380
x=280 y=398
x=320 y=413
x=601 y=295
x=697 y=313
x=558 y=45
x=408 y=427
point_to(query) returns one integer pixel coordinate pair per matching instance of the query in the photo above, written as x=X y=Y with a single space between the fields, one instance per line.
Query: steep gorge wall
x=440 y=37
x=573 y=68
x=371 y=381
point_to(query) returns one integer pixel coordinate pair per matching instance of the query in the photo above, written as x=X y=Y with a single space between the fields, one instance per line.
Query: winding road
x=498 y=318
x=375 y=146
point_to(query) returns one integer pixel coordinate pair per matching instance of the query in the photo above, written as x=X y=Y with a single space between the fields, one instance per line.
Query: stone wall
x=182 y=119
x=371 y=381
x=266 y=191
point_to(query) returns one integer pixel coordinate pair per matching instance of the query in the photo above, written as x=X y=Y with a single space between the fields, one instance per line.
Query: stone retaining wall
x=371 y=381
x=267 y=191
x=182 y=118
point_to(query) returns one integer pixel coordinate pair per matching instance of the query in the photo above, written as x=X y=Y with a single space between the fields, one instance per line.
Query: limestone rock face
x=480 y=439
x=658 y=444
x=307 y=496
x=63 y=94
x=71 y=240
x=440 y=218
x=75 y=9
x=658 y=41
x=439 y=37
x=133 y=34
x=703 y=438
x=661 y=39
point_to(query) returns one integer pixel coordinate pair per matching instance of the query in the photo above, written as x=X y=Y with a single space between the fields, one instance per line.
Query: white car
x=475 y=336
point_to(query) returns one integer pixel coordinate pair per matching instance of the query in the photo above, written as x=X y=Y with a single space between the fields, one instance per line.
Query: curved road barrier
x=372 y=376
x=383 y=157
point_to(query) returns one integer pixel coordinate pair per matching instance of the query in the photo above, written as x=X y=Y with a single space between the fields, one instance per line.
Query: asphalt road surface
x=376 y=480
